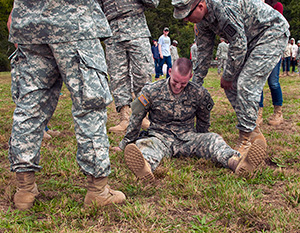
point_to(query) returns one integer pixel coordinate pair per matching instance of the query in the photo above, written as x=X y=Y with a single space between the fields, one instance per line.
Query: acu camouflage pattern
x=38 y=71
x=257 y=35
x=174 y=53
x=194 y=55
x=172 y=131
x=42 y=22
x=222 y=56
x=128 y=51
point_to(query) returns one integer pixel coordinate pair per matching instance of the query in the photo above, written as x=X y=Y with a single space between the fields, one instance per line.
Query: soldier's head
x=180 y=74
x=175 y=43
x=298 y=43
x=189 y=10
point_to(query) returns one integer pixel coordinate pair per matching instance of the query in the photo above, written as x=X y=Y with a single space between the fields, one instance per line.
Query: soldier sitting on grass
x=173 y=104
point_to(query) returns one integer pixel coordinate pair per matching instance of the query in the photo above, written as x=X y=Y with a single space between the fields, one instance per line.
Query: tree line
x=157 y=19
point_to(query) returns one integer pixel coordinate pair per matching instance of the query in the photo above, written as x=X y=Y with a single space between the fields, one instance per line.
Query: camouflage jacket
x=172 y=117
x=126 y=18
x=54 y=21
x=244 y=24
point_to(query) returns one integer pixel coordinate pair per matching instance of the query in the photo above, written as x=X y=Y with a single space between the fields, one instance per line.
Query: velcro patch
x=143 y=100
x=229 y=30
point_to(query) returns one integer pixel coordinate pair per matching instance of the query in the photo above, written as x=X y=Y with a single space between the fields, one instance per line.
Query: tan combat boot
x=125 y=116
x=257 y=134
x=135 y=161
x=276 y=118
x=243 y=144
x=26 y=190
x=259 y=119
x=100 y=194
x=252 y=159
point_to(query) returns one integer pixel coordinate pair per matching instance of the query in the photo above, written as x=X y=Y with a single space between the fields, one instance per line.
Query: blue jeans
x=286 y=64
x=157 y=67
x=168 y=61
x=274 y=85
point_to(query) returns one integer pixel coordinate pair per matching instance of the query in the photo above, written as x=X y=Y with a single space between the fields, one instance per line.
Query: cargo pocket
x=95 y=91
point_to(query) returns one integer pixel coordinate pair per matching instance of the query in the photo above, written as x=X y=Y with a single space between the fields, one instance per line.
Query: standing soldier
x=59 y=42
x=174 y=51
x=194 y=54
x=221 y=55
x=257 y=36
x=128 y=52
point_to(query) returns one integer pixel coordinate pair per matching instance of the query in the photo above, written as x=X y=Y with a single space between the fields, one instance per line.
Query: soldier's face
x=197 y=14
x=177 y=81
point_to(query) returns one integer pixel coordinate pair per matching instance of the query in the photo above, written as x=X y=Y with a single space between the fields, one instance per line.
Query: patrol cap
x=182 y=8
x=175 y=42
x=166 y=29
x=298 y=42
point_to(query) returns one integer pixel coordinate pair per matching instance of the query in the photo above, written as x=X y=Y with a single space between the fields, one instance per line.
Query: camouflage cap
x=182 y=8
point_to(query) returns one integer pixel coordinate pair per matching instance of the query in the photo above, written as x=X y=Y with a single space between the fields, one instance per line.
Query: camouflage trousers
x=247 y=87
x=221 y=65
x=202 y=145
x=130 y=65
x=38 y=72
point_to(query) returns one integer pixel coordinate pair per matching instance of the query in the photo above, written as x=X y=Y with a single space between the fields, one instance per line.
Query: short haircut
x=183 y=66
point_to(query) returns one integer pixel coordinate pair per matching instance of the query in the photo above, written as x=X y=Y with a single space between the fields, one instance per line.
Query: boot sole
x=254 y=157
x=135 y=161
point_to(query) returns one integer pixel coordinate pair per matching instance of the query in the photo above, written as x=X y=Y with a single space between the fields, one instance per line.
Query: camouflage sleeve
x=206 y=104
x=151 y=3
x=235 y=33
x=140 y=107
x=205 y=44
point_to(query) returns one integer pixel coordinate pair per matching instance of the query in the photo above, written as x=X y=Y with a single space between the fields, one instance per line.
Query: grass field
x=189 y=194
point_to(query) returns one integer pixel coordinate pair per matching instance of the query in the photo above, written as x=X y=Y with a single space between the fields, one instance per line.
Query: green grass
x=189 y=194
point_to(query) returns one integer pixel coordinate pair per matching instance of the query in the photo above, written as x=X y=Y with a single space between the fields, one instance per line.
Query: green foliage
x=6 y=48
x=181 y=31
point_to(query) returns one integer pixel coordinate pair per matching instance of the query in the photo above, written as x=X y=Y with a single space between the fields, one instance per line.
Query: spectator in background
x=164 y=43
x=298 y=57
x=174 y=51
x=294 y=55
x=156 y=58
x=194 y=54
x=287 y=59
x=221 y=55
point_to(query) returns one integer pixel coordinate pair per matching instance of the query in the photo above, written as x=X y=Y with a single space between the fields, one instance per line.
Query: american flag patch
x=143 y=100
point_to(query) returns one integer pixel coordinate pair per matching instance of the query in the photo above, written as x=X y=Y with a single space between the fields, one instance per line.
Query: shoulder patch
x=143 y=100
x=229 y=30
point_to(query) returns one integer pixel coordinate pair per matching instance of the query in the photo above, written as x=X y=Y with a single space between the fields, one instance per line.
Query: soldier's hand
x=227 y=85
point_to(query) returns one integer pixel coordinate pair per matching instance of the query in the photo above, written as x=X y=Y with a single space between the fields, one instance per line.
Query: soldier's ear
x=170 y=70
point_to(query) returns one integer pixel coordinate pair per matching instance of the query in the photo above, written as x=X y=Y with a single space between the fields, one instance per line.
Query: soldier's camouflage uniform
x=222 y=56
x=257 y=36
x=174 y=53
x=172 y=131
x=128 y=51
x=58 y=41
